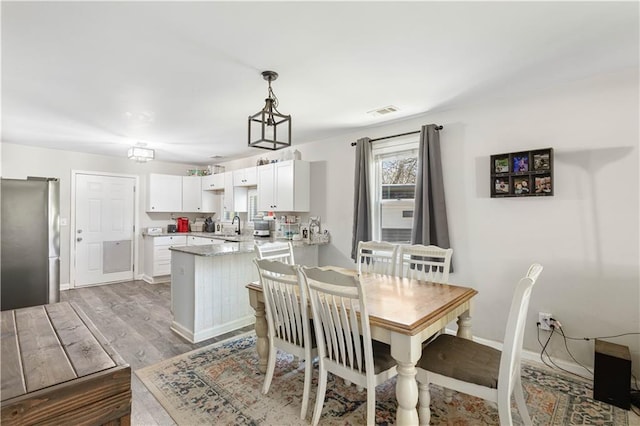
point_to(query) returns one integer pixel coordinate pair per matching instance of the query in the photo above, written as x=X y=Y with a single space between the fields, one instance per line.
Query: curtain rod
x=396 y=136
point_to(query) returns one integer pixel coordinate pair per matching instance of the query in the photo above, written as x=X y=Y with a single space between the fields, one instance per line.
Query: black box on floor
x=612 y=374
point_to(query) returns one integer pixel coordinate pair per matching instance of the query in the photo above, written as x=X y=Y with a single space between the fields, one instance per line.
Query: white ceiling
x=189 y=73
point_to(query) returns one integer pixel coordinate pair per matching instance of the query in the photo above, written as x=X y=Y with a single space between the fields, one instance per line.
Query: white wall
x=586 y=236
x=19 y=161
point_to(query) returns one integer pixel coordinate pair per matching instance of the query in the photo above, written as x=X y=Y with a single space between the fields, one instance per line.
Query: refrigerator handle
x=54 y=279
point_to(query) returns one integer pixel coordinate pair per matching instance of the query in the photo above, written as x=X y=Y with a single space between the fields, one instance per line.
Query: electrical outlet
x=545 y=321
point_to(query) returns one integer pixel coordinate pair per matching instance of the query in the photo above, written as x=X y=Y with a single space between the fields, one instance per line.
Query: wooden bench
x=58 y=369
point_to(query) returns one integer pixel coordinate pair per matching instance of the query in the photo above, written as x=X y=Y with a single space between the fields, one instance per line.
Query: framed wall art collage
x=522 y=174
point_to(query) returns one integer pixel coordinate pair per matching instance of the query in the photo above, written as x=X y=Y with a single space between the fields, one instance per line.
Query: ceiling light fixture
x=269 y=124
x=140 y=154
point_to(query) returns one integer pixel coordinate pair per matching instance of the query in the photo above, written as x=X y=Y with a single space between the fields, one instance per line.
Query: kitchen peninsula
x=208 y=294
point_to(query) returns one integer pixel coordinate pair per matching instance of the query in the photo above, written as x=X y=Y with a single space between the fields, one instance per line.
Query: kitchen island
x=208 y=294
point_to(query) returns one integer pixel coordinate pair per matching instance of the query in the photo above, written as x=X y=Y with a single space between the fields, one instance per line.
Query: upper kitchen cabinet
x=284 y=186
x=245 y=177
x=213 y=182
x=170 y=193
x=234 y=199
x=164 y=193
x=191 y=193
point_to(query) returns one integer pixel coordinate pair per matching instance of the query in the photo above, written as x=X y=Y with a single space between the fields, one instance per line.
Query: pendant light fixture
x=268 y=128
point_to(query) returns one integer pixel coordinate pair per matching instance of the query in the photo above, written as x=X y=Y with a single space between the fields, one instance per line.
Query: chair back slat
x=514 y=333
x=377 y=257
x=424 y=263
x=285 y=301
x=342 y=320
x=282 y=251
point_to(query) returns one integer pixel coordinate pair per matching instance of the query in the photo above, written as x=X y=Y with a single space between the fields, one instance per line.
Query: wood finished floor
x=135 y=317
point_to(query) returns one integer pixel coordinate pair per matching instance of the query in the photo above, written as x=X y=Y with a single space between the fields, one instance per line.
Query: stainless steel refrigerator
x=30 y=242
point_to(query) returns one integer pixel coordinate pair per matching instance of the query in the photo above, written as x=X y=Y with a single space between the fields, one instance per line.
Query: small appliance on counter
x=261 y=228
x=183 y=224
x=172 y=228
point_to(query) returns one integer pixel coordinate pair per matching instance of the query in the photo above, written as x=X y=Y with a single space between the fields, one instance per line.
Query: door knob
x=79 y=239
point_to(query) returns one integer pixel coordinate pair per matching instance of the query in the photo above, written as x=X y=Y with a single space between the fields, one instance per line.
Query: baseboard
x=531 y=356
x=65 y=286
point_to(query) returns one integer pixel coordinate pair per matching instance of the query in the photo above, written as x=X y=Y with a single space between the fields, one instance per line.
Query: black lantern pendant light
x=268 y=128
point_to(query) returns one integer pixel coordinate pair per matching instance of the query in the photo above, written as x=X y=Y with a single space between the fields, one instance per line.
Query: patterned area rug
x=221 y=384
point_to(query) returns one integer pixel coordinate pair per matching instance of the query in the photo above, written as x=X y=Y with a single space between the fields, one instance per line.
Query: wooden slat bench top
x=57 y=367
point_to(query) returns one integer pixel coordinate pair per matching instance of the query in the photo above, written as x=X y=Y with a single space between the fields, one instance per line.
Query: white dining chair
x=425 y=263
x=286 y=304
x=377 y=257
x=282 y=251
x=344 y=340
x=475 y=369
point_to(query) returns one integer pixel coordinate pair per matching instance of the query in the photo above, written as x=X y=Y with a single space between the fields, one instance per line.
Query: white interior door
x=104 y=229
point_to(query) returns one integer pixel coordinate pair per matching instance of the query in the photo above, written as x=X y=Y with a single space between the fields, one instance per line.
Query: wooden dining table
x=402 y=313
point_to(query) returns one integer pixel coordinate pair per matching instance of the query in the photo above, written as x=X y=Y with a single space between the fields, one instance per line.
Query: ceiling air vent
x=383 y=111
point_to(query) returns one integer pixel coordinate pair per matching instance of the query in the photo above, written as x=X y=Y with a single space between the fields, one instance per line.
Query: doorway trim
x=72 y=225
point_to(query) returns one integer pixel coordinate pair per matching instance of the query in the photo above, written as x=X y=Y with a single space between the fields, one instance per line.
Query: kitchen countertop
x=198 y=234
x=245 y=245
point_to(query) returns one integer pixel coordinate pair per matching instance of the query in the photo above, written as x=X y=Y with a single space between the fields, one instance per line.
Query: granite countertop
x=197 y=234
x=244 y=246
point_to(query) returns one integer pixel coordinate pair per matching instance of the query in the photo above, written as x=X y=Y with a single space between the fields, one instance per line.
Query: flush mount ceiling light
x=141 y=154
x=268 y=128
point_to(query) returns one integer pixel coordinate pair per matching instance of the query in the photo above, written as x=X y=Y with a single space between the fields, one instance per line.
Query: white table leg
x=406 y=350
x=464 y=326
x=262 y=345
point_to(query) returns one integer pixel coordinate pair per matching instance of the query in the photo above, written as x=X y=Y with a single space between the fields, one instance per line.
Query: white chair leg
x=308 y=369
x=371 y=405
x=521 y=402
x=271 y=366
x=504 y=411
x=322 y=389
x=424 y=399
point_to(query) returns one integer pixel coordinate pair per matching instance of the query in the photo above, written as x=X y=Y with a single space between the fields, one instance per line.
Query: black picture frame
x=528 y=174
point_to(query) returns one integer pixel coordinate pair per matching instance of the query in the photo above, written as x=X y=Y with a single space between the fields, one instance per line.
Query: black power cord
x=544 y=352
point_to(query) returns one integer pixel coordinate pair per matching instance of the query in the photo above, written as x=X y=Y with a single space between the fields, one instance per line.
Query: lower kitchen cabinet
x=201 y=241
x=157 y=257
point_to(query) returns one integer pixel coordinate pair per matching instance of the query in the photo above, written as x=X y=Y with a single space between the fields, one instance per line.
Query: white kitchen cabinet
x=245 y=177
x=194 y=199
x=227 y=200
x=164 y=193
x=284 y=186
x=201 y=241
x=213 y=182
x=191 y=193
x=235 y=198
x=157 y=256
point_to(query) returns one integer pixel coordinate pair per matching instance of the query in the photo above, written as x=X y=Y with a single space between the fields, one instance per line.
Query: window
x=395 y=168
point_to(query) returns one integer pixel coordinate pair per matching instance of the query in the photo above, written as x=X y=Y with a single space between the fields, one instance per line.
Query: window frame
x=379 y=151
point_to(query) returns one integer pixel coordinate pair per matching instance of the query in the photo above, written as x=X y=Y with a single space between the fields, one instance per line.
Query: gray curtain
x=430 y=213
x=362 y=228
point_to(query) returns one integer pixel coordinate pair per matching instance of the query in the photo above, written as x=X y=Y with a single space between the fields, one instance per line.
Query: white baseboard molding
x=531 y=356
x=65 y=286
x=212 y=331
x=155 y=280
